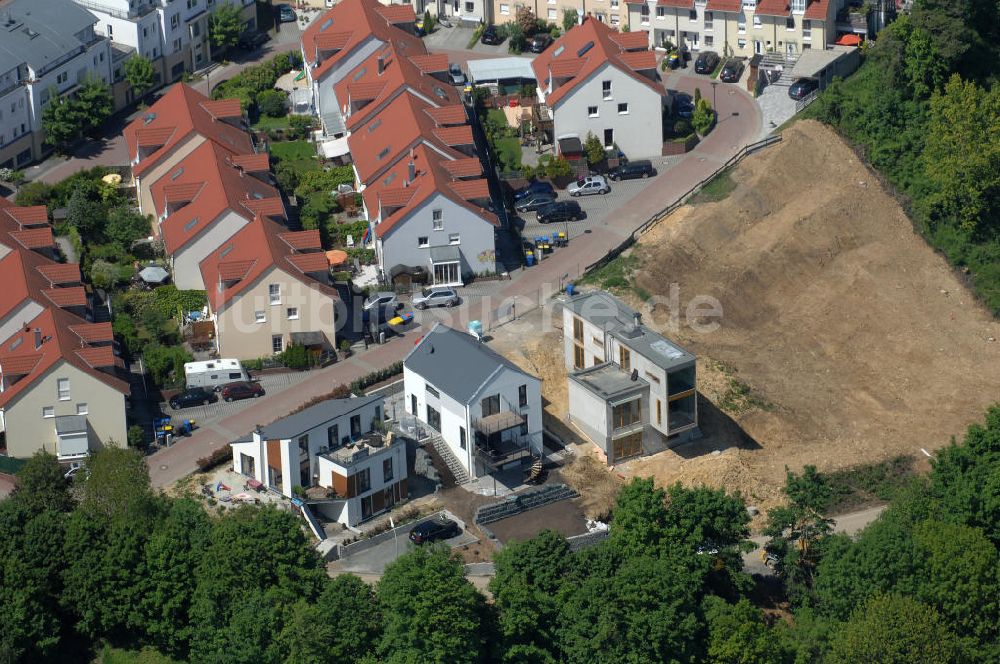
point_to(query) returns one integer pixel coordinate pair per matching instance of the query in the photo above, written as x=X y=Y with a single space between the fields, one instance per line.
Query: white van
x=213 y=374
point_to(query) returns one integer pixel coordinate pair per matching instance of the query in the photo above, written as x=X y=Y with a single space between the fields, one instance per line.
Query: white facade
x=185 y=262
x=384 y=468
x=631 y=116
x=468 y=11
x=325 y=101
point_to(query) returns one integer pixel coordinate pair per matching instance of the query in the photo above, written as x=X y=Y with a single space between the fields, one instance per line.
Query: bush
x=683 y=127
x=272 y=103
x=295 y=357
x=358 y=386
x=299 y=126
x=103 y=274
x=216 y=458
x=165 y=364
x=136 y=437
x=34 y=193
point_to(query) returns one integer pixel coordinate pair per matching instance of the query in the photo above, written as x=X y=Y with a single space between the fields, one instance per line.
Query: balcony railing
x=138 y=12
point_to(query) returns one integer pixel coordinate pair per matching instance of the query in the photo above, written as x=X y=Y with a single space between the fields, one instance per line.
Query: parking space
x=205 y=415
x=375 y=559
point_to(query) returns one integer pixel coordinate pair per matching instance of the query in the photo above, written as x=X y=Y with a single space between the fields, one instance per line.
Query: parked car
x=540 y=42
x=491 y=36
x=243 y=389
x=195 y=396
x=456 y=74
x=382 y=299
x=434 y=529
x=560 y=211
x=731 y=71
x=632 y=170
x=436 y=297
x=706 y=62
x=683 y=105
x=252 y=40
x=802 y=88
x=592 y=184
x=534 y=202
x=286 y=14
x=535 y=187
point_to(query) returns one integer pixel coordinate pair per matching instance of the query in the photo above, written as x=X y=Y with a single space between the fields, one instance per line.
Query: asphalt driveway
x=375 y=559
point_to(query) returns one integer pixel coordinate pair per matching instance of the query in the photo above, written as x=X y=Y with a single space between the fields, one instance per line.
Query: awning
x=448 y=253
x=413 y=271
x=849 y=40
x=505 y=419
x=493 y=70
x=308 y=338
x=335 y=148
x=570 y=145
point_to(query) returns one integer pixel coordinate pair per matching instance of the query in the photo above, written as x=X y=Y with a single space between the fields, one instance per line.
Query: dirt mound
x=844 y=338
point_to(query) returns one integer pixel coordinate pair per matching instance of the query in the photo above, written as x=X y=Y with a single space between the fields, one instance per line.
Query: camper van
x=213 y=374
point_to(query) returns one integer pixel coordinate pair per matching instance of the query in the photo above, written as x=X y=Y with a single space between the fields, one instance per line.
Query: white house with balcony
x=487 y=410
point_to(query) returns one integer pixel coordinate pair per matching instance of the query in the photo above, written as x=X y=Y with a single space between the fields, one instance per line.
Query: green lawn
x=292 y=150
x=144 y=656
x=721 y=186
x=266 y=123
x=497 y=117
x=509 y=152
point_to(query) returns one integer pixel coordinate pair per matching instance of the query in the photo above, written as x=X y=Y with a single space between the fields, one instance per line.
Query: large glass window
x=681 y=380
x=627 y=446
x=491 y=405
x=578 y=329
x=626 y=414
x=680 y=412
x=364 y=480
x=522 y=396
x=387 y=471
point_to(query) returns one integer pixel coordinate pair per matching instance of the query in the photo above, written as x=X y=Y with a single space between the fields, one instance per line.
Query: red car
x=241 y=390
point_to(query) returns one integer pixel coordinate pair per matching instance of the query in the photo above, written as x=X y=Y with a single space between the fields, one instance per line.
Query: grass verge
x=716 y=190
x=292 y=150
x=145 y=656
x=266 y=123
x=616 y=275
x=862 y=485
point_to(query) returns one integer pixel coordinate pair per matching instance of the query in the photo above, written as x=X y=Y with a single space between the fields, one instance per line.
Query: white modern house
x=631 y=390
x=595 y=80
x=487 y=410
x=336 y=444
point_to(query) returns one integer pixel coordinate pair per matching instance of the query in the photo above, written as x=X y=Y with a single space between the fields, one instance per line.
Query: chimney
x=411 y=171
x=381 y=64
x=38 y=338
x=636 y=321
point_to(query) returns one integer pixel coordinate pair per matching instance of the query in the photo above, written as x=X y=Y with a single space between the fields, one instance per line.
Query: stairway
x=774 y=62
x=455 y=467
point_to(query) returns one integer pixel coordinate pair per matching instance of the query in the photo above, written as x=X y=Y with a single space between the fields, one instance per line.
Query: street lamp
x=715 y=108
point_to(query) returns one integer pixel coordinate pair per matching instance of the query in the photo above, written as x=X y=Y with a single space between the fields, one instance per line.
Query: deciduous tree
x=139 y=74
x=225 y=26
x=342 y=625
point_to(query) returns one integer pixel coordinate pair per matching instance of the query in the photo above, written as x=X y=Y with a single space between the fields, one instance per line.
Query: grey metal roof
x=618 y=319
x=499 y=69
x=448 y=253
x=314 y=416
x=66 y=424
x=40 y=32
x=455 y=363
x=608 y=381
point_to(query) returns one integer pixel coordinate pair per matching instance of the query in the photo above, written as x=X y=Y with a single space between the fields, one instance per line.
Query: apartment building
x=489 y=413
x=47 y=47
x=336 y=444
x=631 y=390
x=595 y=80
x=738 y=27
x=463 y=11
x=611 y=12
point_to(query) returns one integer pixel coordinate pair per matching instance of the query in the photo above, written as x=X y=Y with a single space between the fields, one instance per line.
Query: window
x=614 y=4
x=681 y=412
x=708 y=20
x=741 y=43
x=333 y=436
x=692 y=15
x=756 y=22
x=644 y=14
x=661 y=12
x=552 y=15
x=437 y=218
x=461 y=437
x=806 y=29
x=145 y=32
x=259 y=317
x=81 y=409
x=454 y=238
x=578 y=360
x=61 y=78
x=626 y=414
x=355 y=426
x=741 y=23
x=624 y=358
x=652 y=378
x=790 y=23
x=709 y=40
x=431 y=391
x=491 y=405
x=364 y=480
x=609 y=138
x=627 y=446
x=623 y=108
x=274 y=293
x=798 y=5
x=592 y=112
x=387 y=471
x=111 y=31
x=177 y=45
x=659 y=412
x=62 y=386
x=175 y=21
x=292 y=313
x=578 y=329
x=470 y=7
x=191 y=3
x=422 y=241
x=522 y=396
x=277 y=343
x=433 y=418
x=48 y=412
x=679 y=381
x=505 y=9
x=247 y=465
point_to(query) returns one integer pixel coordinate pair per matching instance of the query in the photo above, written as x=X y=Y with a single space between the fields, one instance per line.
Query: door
x=434 y=418
x=609 y=138
x=790 y=48
x=758 y=47
x=693 y=38
x=413 y=405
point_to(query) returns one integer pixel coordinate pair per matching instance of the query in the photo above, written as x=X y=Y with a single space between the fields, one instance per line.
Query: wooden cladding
x=274 y=455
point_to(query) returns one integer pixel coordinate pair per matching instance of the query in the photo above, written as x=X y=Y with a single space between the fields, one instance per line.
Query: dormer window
x=798 y=6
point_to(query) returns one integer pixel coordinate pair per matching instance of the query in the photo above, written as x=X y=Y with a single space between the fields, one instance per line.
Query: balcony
x=499 y=439
x=138 y=12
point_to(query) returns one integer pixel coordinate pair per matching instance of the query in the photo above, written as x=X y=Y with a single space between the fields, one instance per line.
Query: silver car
x=456 y=74
x=381 y=299
x=592 y=184
x=436 y=297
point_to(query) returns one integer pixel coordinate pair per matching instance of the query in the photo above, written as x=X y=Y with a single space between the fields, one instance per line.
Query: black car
x=632 y=170
x=194 y=396
x=535 y=187
x=534 y=202
x=286 y=14
x=491 y=36
x=732 y=71
x=706 y=62
x=434 y=529
x=802 y=88
x=252 y=40
x=683 y=105
x=560 y=211
x=540 y=42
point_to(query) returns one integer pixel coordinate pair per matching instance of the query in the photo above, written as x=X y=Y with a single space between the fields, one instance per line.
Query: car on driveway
x=252 y=40
x=592 y=184
x=731 y=71
x=243 y=389
x=491 y=36
x=534 y=202
x=540 y=42
x=456 y=74
x=381 y=299
x=436 y=297
x=633 y=170
x=535 y=187
x=802 y=88
x=683 y=105
x=707 y=62
x=560 y=211
x=434 y=529
x=196 y=396
x=286 y=14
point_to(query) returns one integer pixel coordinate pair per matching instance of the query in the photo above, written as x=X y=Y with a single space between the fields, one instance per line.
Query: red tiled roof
x=235 y=270
x=333 y=41
x=592 y=44
x=302 y=240
x=463 y=168
x=818 y=10
x=21 y=281
x=396 y=197
x=724 y=5
x=183 y=110
x=154 y=137
x=639 y=60
x=397 y=127
x=471 y=189
x=397 y=13
x=773 y=8
x=431 y=63
x=73 y=296
x=253 y=163
x=19 y=365
x=36 y=215
x=447 y=115
x=268 y=207
x=223 y=108
x=364 y=91
x=182 y=193
x=93 y=332
x=638 y=40
x=98 y=356
x=306 y=263
x=34 y=238
x=60 y=273
x=453 y=136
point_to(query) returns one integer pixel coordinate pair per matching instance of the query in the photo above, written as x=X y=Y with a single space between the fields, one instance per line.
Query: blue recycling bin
x=529 y=259
x=570 y=288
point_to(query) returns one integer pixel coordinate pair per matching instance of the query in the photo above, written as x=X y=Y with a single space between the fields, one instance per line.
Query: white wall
x=638 y=133
x=324 y=97
x=453 y=415
x=589 y=413
x=593 y=342
x=352 y=515
x=95 y=60
x=187 y=273
x=506 y=384
x=15 y=113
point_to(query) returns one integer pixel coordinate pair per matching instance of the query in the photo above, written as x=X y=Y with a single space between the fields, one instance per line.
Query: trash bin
x=570 y=288
x=529 y=259
x=538 y=255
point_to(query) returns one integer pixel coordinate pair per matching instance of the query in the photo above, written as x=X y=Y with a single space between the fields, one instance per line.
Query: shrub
x=136 y=437
x=272 y=103
x=34 y=193
x=299 y=126
x=358 y=386
x=295 y=357
x=103 y=274
x=165 y=364
x=683 y=127
x=214 y=459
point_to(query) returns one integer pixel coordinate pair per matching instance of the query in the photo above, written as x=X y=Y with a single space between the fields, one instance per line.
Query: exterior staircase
x=455 y=467
x=775 y=62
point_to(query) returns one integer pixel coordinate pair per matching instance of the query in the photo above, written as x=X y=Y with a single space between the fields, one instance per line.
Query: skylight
x=225 y=250
x=361 y=72
x=191 y=224
x=176 y=174
x=384 y=153
x=558 y=51
x=583 y=49
x=375 y=125
x=326 y=24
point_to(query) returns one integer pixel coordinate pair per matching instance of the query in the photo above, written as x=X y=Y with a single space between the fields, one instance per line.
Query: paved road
x=375 y=559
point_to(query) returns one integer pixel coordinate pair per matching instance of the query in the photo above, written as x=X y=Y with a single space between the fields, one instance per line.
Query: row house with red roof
x=221 y=221
x=738 y=27
x=63 y=388
x=595 y=80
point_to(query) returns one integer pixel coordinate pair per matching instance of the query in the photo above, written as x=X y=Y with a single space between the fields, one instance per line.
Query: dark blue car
x=535 y=187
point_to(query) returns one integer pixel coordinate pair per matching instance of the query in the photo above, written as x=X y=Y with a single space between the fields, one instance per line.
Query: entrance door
x=758 y=47
x=446 y=274
x=413 y=405
x=790 y=48
x=609 y=138
x=693 y=37
x=434 y=418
